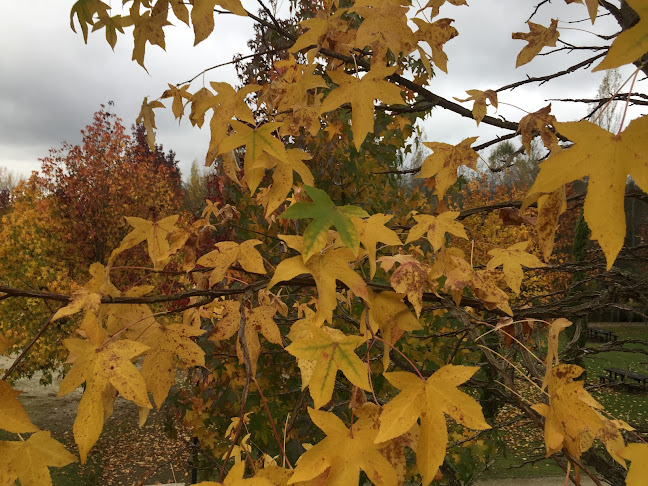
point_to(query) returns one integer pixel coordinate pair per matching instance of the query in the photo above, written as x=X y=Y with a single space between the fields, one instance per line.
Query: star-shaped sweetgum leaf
x=445 y=161
x=344 y=453
x=329 y=350
x=429 y=400
x=325 y=267
x=436 y=228
x=361 y=93
x=537 y=38
x=607 y=160
x=29 y=461
x=101 y=367
x=258 y=320
x=512 y=259
x=228 y=252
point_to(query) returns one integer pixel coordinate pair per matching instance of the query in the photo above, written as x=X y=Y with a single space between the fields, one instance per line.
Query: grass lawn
x=525 y=442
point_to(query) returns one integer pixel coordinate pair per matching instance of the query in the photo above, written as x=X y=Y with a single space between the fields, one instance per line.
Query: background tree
x=92 y=186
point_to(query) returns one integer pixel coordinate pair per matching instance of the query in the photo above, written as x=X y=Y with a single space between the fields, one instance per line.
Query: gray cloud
x=53 y=83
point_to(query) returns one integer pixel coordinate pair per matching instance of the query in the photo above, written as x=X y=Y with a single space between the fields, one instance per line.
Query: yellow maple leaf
x=228 y=252
x=389 y=314
x=485 y=287
x=445 y=160
x=435 y=5
x=258 y=320
x=592 y=7
x=538 y=37
x=429 y=399
x=538 y=122
x=283 y=177
x=178 y=95
x=555 y=329
x=344 y=453
x=202 y=15
x=235 y=478
x=326 y=267
x=572 y=419
x=384 y=27
x=257 y=141
x=13 y=416
x=373 y=230
x=329 y=350
x=631 y=44
x=149 y=27
x=361 y=93
x=606 y=159
x=410 y=278
x=512 y=259
x=436 y=34
x=81 y=299
x=550 y=207
x=169 y=344
x=436 y=228
x=637 y=454
x=29 y=461
x=479 y=106
x=147 y=118
x=100 y=367
x=154 y=233
x=315 y=29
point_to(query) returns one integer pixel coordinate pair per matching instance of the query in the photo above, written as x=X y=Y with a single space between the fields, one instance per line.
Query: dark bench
x=625 y=377
x=601 y=334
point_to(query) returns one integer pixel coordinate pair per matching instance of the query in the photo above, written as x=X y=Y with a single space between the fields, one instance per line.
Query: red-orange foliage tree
x=108 y=176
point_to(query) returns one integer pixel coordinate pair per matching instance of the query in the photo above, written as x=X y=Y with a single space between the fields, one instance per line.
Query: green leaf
x=325 y=214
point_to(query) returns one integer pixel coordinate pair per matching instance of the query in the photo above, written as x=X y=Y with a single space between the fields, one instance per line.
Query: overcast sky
x=52 y=82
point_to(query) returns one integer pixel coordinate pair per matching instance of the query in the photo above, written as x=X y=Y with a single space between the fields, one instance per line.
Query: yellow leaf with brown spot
x=81 y=299
x=155 y=234
x=98 y=367
x=537 y=38
x=555 y=329
x=435 y=5
x=445 y=160
x=410 y=278
x=572 y=418
x=539 y=122
x=436 y=34
x=550 y=207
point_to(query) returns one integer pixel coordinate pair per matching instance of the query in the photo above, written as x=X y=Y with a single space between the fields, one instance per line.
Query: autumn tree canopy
x=341 y=324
